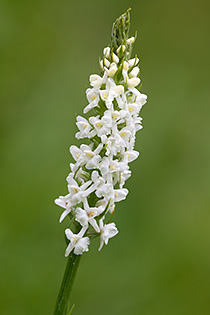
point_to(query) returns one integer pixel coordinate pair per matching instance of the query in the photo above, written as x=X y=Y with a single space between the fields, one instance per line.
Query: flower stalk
x=66 y=286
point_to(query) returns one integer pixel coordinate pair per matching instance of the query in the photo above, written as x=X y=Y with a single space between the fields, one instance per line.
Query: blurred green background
x=160 y=261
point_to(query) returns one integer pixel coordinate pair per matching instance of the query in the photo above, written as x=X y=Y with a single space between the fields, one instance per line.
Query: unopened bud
x=125 y=65
x=122 y=47
x=115 y=58
x=134 y=72
x=95 y=80
x=106 y=62
x=133 y=62
x=101 y=64
x=107 y=52
x=112 y=69
x=119 y=89
x=130 y=40
x=133 y=82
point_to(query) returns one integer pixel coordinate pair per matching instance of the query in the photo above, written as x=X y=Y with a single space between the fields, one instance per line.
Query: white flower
x=84 y=128
x=96 y=81
x=107 y=231
x=114 y=144
x=112 y=118
x=93 y=157
x=104 y=190
x=85 y=155
x=100 y=127
x=108 y=165
x=120 y=194
x=125 y=134
x=141 y=99
x=104 y=94
x=93 y=98
x=123 y=177
x=107 y=191
x=131 y=155
x=136 y=97
x=78 y=193
x=64 y=202
x=111 y=92
x=87 y=216
x=82 y=176
x=137 y=124
x=77 y=242
x=118 y=90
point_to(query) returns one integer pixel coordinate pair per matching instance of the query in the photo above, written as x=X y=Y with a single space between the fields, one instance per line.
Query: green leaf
x=71 y=309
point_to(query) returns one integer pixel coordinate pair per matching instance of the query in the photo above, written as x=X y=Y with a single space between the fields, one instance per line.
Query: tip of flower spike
x=120 y=30
x=121 y=44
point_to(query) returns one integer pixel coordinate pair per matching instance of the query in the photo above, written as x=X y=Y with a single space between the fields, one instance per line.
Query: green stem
x=61 y=307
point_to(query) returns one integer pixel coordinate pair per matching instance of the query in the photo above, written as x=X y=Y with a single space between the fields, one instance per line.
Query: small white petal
x=94 y=225
x=107 y=231
x=132 y=155
x=120 y=194
x=64 y=214
x=69 y=234
x=81 y=217
x=68 y=249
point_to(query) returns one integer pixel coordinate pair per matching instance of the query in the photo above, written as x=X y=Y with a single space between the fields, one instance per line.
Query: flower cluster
x=101 y=164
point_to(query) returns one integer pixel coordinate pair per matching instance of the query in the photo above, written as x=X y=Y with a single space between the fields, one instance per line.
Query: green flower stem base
x=62 y=303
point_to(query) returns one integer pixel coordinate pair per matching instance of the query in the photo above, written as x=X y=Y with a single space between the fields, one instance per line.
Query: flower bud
x=106 y=62
x=130 y=40
x=119 y=89
x=134 y=72
x=95 y=80
x=125 y=65
x=112 y=69
x=133 y=62
x=133 y=82
x=107 y=52
x=101 y=64
x=122 y=47
x=115 y=58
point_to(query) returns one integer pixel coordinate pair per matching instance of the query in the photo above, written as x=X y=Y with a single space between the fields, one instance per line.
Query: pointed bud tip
x=120 y=29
